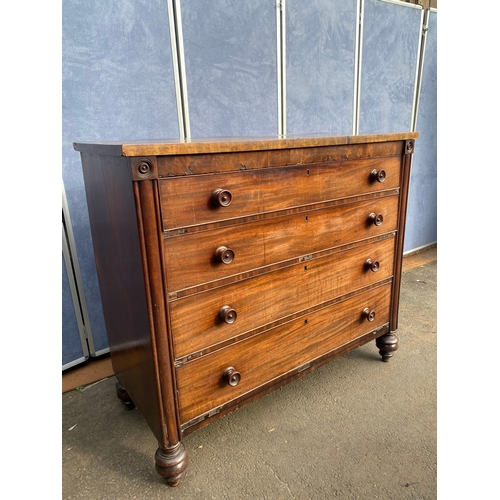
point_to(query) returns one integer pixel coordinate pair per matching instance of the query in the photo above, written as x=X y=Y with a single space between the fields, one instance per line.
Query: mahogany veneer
x=229 y=267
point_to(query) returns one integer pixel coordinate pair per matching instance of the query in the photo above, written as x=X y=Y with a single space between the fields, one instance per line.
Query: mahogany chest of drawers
x=230 y=267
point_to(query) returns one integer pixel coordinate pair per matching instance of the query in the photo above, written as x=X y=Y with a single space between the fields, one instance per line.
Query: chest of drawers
x=230 y=267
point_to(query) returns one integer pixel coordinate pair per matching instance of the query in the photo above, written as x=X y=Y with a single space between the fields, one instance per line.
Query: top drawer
x=200 y=199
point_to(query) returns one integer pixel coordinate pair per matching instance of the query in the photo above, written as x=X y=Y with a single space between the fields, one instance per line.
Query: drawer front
x=202 y=385
x=200 y=199
x=202 y=320
x=253 y=157
x=192 y=258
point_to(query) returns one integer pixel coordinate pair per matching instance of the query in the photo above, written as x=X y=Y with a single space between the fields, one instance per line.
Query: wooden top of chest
x=162 y=147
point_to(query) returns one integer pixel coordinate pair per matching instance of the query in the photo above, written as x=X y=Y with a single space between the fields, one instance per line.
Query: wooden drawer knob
x=224 y=255
x=376 y=219
x=227 y=315
x=231 y=376
x=372 y=265
x=368 y=315
x=377 y=175
x=221 y=198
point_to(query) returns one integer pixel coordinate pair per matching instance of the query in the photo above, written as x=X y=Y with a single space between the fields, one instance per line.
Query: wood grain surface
x=190 y=257
x=271 y=298
x=186 y=200
x=276 y=352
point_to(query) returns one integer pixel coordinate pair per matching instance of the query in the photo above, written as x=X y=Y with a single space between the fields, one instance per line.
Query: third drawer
x=218 y=314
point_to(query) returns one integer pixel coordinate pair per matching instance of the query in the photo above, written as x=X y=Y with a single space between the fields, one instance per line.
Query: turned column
x=387 y=344
x=171 y=457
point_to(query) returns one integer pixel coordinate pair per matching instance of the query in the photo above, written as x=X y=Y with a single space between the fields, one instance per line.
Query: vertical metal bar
x=278 y=64
x=178 y=59
x=76 y=303
x=425 y=29
x=75 y=276
x=175 y=62
x=420 y=66
x=281 y=64
x=360 y=8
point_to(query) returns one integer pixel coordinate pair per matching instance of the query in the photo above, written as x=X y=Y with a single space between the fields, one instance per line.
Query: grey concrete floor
x=356 y=428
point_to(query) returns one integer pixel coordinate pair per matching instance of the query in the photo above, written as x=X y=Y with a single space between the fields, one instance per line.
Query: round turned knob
x=377 y=175
x=221 y=198
x=368 y=315
x=224 y=255
x=372 y=265
x=227 y=315
x=376 y=219
x=231 y=376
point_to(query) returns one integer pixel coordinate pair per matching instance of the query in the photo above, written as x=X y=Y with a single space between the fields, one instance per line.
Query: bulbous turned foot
x=124 y=397
x=171 y=463
x=387 y=344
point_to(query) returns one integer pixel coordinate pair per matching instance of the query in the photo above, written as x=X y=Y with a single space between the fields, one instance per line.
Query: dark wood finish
x=118 y=256
x=230 y=267
x=123 y=396
x=409 y=146
x=387 y=344
x=171 y=463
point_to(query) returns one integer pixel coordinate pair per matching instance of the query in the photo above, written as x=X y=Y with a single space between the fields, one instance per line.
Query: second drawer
x=194 y=258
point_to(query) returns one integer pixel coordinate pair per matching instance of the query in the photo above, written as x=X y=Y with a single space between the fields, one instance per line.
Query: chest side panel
x=116 y=241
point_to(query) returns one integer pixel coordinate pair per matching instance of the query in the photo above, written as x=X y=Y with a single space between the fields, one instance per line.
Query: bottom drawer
x=204 y=385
